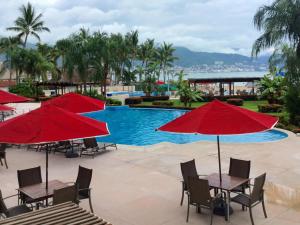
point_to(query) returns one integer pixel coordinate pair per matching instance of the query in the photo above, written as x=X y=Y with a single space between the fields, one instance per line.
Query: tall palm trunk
x=25 y=41
x=106 y=70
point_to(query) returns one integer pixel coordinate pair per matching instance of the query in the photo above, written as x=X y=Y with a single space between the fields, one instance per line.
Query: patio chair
x=66 y=194
x=83 y=182
x=240 y=168
x=254 y=198
x=28 y=177
x=199 y=196
x=3 y=154
x=91 y=147
x=13 y=211
x=188 y=169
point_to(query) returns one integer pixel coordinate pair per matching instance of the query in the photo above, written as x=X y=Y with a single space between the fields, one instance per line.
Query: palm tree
x=28 y=23
x=279 y=22
x=7 y=46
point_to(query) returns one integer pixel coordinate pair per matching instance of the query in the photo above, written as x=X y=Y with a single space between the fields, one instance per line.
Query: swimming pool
x=132 y=126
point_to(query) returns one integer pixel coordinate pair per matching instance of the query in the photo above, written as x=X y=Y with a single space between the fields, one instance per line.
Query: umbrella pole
x=219 y=158
x=47 y=166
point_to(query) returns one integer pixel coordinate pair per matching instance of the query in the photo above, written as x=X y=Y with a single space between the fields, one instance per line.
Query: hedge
x=133 y=100
x=235 y=101
x=224 y=98
x=270 y=108
x=154 y=98
x=111 y=101
x=163 y=103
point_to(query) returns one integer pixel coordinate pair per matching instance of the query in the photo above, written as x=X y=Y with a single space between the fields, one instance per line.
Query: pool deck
x=141 y=185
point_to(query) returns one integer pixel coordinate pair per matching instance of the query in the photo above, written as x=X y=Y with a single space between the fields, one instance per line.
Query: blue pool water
x=131 y=126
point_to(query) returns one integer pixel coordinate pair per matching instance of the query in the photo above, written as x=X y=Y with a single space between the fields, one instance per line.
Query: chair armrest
x=10 y=196
x=85 y=189
x=202 y=175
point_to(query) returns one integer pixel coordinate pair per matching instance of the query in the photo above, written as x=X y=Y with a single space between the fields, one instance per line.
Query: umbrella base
x=221 y=208
x=71 y=154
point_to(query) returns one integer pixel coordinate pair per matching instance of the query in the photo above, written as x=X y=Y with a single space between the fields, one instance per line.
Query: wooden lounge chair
x=254 y=198
x=66 y=194
x=28 y=177
x=13 y=211
x=3 y=154
x=188 y=169
x=199 y=196
x=91 y=147
x=83 y=182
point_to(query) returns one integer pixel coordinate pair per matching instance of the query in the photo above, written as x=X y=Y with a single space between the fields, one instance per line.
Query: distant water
x=226 y=74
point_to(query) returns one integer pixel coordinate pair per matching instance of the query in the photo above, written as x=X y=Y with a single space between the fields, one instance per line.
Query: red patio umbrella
x=5 y=108
x=76 y=103
x=218 y=118
x=159 y=82
x=7 y=97
x=49 y=124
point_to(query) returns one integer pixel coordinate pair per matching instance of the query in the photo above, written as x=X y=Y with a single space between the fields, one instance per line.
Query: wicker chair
x=254 y=198
x=66 y=194
x=199 y=196
x=83 y=182
x=188 y=169
x=240 y=168
x=13 y=211
x=3 y=154
x=28 y=177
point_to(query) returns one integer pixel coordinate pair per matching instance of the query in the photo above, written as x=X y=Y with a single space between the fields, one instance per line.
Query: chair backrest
x=90 y=142
x=2 y=150
x=65 y=144
x=83 y=180
x=258 y=188
x=239 y=168
x=66 y=194
x=188 y=169
x=199 y=191
x=29 y=176
x=3 y=208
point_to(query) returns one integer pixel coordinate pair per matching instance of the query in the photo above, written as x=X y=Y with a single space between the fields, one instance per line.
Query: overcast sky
x=201 y=25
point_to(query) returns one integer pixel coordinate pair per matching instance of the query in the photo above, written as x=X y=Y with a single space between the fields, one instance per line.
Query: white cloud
x=203 y=25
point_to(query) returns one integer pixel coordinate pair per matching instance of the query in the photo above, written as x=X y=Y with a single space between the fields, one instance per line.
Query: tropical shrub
x=133 y=100
x=292 y=103
x=235 y=101
x=273 y=88
x=27 y=89
x=111 y=101
x=163 y=103
x=154 y=98
x=270 y=108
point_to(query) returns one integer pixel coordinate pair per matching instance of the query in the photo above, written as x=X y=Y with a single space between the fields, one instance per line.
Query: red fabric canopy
x=76 y=103
x=218 y=118
x=49 y=124
x=5 y=108
x=160 y=82
x=7 y=97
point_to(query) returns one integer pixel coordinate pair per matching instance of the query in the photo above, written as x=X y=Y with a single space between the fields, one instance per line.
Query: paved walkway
x=141 y=185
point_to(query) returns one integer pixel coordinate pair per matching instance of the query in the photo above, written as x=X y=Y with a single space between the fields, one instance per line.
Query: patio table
x=65 y=213
x=228 y=184
x=38 y=191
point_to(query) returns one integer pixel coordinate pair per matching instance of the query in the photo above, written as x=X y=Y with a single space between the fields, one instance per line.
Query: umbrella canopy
x=76 y=103
x=218 y=118
x=49 y=124
x=159 y=82
x=7 y=97
x=5 y=108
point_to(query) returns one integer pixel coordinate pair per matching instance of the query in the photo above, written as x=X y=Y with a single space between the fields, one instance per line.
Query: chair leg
x=198 y=209
x=211 y=216
x=5 y=163
x=188 y=210
x=90 y=202
x=264 y=207
x=251 y=216
x=1 y=162
x=182 y=194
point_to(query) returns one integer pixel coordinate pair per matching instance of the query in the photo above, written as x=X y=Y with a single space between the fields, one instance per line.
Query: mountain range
x=188 y=58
